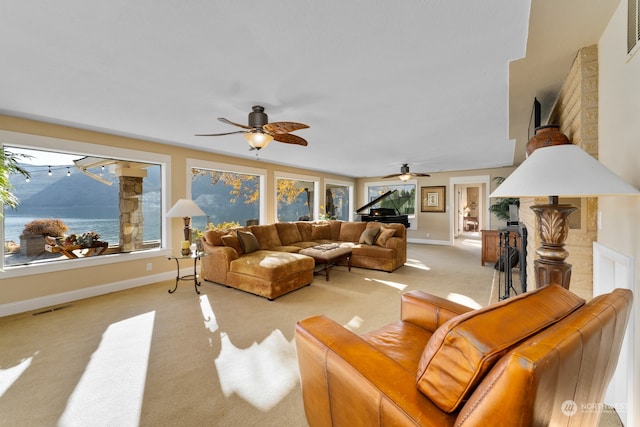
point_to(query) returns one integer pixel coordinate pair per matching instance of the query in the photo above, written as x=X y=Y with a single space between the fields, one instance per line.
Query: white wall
x=619 y=149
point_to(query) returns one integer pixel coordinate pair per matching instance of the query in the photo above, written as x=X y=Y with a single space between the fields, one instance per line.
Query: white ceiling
x=380 y=83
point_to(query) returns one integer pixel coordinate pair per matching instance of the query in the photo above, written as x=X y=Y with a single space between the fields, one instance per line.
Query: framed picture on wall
x=432 y=199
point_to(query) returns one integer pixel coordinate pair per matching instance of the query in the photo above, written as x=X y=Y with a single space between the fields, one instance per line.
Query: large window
x=228 y=198
x=80 y=201
x=403 y=200
x=296 y=197
x=337 y=202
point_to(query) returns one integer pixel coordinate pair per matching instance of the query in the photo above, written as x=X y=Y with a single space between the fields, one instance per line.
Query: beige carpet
x=224 y=358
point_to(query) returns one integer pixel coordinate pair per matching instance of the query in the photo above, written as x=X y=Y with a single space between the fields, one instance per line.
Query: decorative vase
x=546 y=136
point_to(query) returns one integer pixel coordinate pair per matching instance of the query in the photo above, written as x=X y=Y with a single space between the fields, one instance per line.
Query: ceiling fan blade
x=290 y=139
x=420 y=174
x=229 y=122
x=219 y=134
x=283 y=127
x=395 y=175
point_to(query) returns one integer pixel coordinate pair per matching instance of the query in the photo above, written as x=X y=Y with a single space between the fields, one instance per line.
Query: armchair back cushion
x=464 y=349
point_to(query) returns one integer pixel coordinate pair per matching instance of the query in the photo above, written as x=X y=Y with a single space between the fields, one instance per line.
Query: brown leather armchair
x=514 y=363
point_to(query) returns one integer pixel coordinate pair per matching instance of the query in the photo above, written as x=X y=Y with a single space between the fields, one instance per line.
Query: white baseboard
x=78 y=294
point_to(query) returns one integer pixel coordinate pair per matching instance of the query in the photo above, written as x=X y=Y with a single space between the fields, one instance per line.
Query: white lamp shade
x=185 y=208
x=562 y=170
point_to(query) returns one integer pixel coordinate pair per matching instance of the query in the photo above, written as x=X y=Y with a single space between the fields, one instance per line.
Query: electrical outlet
x=427 y=235
x=149 y=266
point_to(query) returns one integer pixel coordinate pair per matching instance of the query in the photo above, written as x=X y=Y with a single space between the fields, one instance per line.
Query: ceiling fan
x=260 y=132
x=404 y=174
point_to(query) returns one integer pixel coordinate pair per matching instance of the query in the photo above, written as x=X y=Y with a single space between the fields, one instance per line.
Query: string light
x=68 y=172
x=50 y=171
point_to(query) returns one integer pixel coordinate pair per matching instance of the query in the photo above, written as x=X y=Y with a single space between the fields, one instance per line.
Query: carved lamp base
x=553 y=229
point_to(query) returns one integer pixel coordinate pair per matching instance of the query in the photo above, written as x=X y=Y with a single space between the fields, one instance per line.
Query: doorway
x=471 y=203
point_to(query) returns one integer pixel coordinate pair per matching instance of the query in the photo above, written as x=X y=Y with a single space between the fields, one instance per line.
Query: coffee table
x=327 y=256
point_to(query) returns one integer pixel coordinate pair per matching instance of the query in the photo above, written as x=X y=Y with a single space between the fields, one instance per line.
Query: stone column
x=131 y=217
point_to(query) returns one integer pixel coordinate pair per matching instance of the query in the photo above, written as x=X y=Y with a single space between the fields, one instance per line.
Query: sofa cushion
x=320 y=232
x=351 y=231
x=305 y=230
x=334 y=227
x=462 y=351
x=248 y=241
x=288 y=233
x=384 y=236
x=232 y=242
x=267 y=235
x=369 y=235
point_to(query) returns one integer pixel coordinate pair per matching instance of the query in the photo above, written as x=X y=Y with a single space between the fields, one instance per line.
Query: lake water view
x=107 y=228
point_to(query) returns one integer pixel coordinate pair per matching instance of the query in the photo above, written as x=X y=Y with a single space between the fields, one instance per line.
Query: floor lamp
x=185 y=209
x=555 y=167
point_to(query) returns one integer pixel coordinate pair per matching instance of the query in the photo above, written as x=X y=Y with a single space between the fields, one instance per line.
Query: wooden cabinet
x=491 y=244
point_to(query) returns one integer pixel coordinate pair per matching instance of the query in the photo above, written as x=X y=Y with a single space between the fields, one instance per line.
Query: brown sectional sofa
x=524 y=361
x=272 y=265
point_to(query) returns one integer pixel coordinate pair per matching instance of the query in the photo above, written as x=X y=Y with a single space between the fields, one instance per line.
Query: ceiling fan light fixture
x=405 y=177
x=258 y=140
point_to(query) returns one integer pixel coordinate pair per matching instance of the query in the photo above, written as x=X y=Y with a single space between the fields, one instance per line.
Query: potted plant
x=501 y=206
x=32 y=237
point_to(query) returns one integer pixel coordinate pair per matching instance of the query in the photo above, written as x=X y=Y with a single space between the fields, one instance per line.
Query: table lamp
x=185 y=208
x=556 y=167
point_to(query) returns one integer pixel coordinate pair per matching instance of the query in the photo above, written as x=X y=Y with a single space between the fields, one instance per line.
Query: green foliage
x=227 y=225
x=9 y=165
x=500 y=208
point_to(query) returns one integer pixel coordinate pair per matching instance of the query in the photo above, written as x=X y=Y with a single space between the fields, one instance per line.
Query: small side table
x=195 y=257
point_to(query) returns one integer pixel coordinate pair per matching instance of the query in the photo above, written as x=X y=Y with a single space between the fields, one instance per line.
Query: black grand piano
x=386 y=215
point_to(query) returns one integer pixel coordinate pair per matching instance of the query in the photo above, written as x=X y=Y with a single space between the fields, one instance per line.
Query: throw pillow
x=248 y=241
x=384 y=236
x=232 y=242
x=461 y=352
x=214 y=237
x=368 y=236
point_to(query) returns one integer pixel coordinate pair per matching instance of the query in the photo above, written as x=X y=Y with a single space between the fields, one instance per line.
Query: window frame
x=68 y=146
x=347 y=184
x=297 y=177
x=232 y=168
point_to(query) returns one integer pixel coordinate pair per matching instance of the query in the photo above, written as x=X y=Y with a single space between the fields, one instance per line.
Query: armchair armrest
x=340 y=371
x=428 y=311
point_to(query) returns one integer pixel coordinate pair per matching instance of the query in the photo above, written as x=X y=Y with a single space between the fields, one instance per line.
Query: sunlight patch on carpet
x=396 y=285
x=416 y=264
x=111 y=389
x=210 y=321
x=262 y=374
x=464 y=300
x=10 y=375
